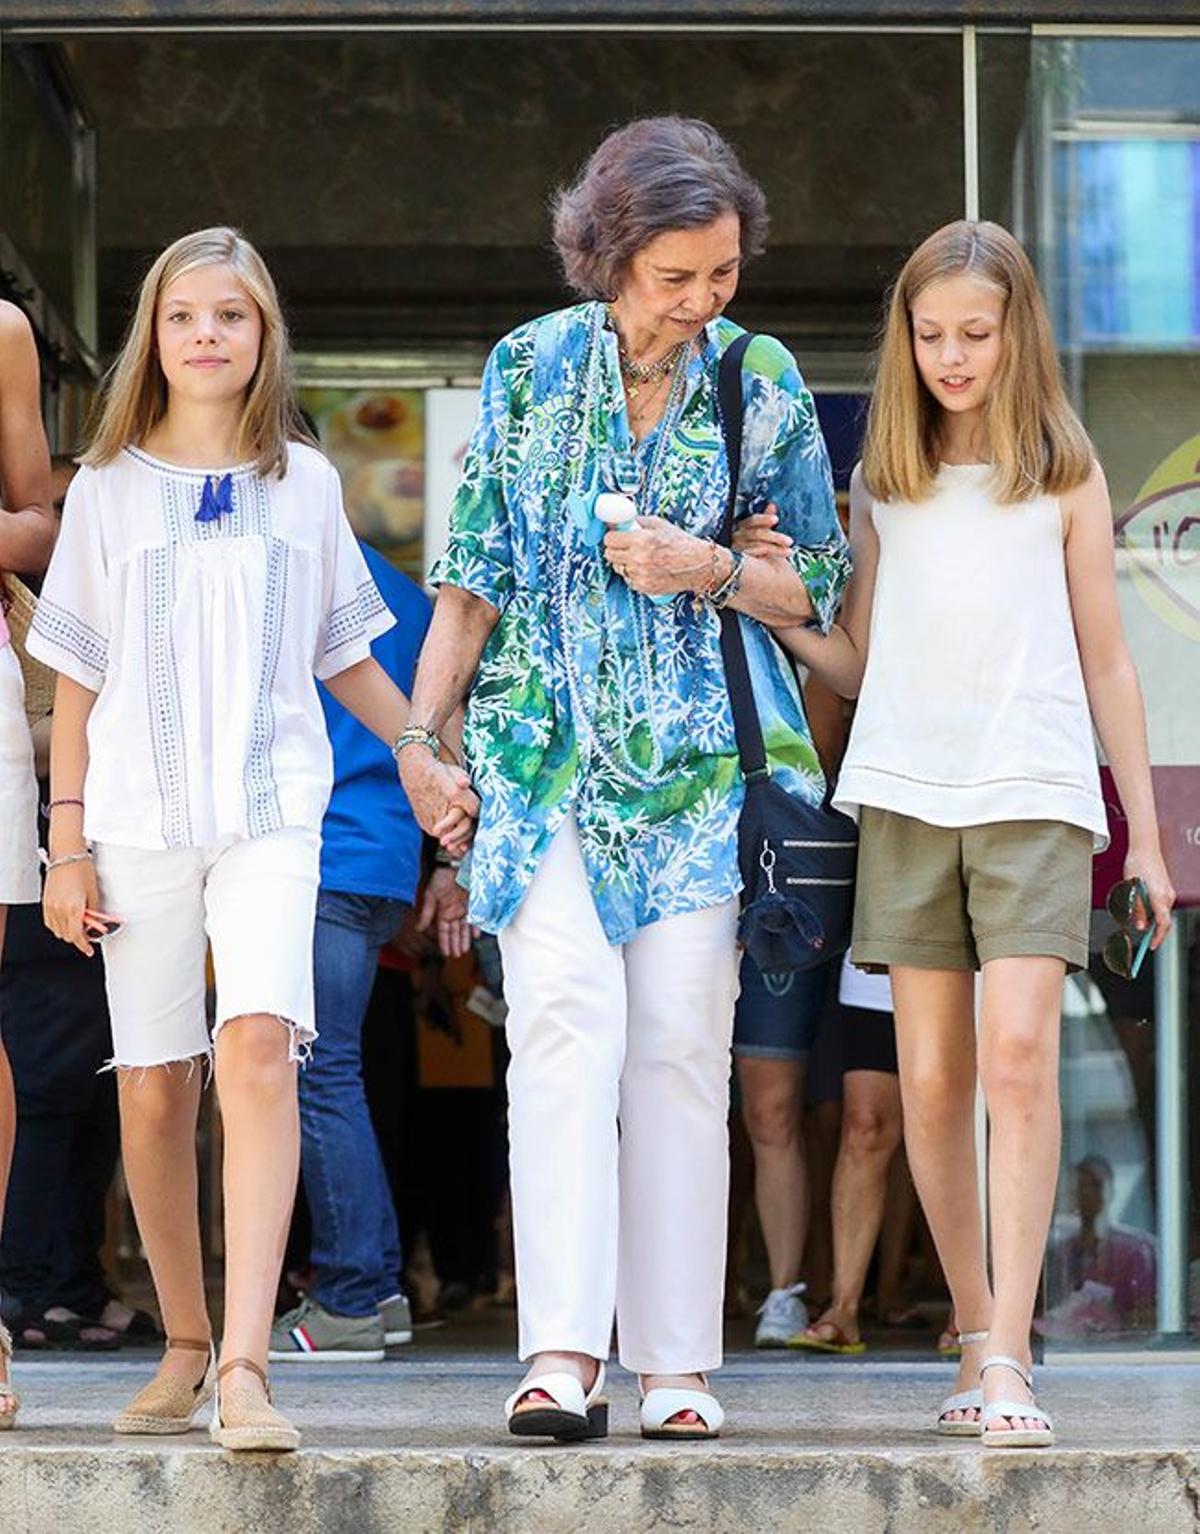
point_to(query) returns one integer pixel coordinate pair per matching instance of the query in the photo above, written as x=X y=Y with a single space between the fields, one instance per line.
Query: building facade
x=394 y=162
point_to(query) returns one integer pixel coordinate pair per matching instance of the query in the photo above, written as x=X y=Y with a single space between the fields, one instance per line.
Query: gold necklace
x=638 y=374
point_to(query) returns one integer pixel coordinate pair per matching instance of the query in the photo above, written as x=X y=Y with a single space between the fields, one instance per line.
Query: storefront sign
x=449 y=421
x=1158 y=553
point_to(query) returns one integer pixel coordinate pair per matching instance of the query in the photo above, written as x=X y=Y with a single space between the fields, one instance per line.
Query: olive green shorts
x=953 y=897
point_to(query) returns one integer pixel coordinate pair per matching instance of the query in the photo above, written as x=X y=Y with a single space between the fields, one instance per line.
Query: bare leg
x=159 y=1107
x=871 y=1131
x=935 y=1039
x=1018 y=1066
x=895 y=1236
x=822 y=1136
x=256 y=1087
x=8 y=1135
x=773 y=1112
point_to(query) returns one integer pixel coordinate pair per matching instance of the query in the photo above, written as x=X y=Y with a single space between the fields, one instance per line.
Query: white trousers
x=636 y=1036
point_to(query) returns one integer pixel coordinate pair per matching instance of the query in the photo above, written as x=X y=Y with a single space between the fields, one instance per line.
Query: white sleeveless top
x=972 y=707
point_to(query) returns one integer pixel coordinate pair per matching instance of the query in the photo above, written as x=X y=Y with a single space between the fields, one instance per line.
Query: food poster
x=376 y=439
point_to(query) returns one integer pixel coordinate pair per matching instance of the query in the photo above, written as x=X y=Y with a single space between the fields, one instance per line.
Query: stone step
x=416 y=1447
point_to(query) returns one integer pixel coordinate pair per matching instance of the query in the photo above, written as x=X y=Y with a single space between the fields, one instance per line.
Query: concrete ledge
x=416 y=1446
x=85 y=1490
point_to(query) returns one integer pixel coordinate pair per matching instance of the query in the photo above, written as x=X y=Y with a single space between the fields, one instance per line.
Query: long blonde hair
x=134 y=397
x=1036 y=441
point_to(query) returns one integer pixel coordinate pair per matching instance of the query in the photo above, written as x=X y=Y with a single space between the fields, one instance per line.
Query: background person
x=26 y=538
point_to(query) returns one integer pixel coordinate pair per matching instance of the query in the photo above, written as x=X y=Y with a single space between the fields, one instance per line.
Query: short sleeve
x=353 y=612
x=785 y=462
x=70 y=628
x=478 y=557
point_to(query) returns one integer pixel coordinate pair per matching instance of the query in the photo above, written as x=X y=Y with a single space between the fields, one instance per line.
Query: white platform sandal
x=962 y=1400
x=666 y=1401
x=1014 y=1438
x=569 y=1416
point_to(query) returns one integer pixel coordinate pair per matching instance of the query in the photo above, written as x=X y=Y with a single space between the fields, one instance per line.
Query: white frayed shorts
x=253 y=899
x=19 y=880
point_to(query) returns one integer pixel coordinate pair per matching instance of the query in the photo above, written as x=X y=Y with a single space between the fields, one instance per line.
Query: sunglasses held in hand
x=1128 y=903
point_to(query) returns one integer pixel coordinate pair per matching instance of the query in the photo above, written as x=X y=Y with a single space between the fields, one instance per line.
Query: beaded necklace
x=628 y=471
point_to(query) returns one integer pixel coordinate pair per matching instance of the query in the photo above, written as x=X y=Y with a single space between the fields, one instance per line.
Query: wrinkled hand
x=70 y=891
x=758 y=537
x=659 y=559
x=1148 y=866
x=442 y=799
x=444 y=906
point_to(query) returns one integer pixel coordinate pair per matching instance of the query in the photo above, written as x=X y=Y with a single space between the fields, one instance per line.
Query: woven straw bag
x=39 y=678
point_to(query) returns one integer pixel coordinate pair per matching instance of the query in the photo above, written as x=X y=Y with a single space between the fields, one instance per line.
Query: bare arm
x=1114 y=694
x=70 y=889
x=462 y=624
x=27 y=522
x=366 y=691
x=838 y=658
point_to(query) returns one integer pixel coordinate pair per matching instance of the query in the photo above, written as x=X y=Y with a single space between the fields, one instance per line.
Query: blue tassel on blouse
x=216 y=499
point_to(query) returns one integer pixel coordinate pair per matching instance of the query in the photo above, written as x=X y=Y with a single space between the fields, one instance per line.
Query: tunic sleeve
x=70 y=628
x=353 y=612
x=785 y=462
x=478 y=557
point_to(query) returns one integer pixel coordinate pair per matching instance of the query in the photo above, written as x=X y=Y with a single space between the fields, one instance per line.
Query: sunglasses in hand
x=1128 y=904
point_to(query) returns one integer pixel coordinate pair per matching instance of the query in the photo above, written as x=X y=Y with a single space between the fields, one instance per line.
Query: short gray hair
x=653 y=175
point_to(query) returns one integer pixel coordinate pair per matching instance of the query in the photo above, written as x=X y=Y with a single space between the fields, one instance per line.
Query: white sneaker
x=780 y=1316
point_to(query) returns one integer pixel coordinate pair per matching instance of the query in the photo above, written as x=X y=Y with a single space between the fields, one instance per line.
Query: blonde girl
x=205 y=573
x=982 y=626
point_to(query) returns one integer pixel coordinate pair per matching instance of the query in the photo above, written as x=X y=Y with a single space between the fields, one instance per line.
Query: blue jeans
x=355 y=1240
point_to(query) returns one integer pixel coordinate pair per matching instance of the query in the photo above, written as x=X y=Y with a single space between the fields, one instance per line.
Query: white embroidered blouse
x=202 y=640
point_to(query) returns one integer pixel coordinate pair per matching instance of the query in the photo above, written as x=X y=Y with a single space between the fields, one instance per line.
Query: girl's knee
x=256 y=1056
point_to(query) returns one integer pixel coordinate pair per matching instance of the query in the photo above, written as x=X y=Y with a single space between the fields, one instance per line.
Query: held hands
x=1148 y=866
x=757 y=536
x=659 y=559
x=442 y=799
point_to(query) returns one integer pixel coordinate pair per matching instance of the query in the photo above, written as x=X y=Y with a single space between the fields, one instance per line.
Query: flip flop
x=838 y=1343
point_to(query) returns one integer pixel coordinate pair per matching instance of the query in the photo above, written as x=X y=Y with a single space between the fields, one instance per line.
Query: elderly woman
x=600 y=740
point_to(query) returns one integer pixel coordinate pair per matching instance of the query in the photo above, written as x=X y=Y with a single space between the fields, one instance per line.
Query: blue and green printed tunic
x=590 y=699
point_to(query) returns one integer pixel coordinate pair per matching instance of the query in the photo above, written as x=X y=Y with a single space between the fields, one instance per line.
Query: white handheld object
x=620 y=513
x=617 y=511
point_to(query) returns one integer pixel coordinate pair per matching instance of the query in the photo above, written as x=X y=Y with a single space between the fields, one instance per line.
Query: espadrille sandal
x=242 y=1421
x=995 y=1411
x=168 y=1403
x=8 y=1418
x=962 y=1400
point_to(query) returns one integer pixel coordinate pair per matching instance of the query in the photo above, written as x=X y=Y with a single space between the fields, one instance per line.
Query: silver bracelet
x=50 y=864
x=417 y=735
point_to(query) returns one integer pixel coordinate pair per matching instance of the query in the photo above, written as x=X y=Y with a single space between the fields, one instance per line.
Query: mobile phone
x=98 y=926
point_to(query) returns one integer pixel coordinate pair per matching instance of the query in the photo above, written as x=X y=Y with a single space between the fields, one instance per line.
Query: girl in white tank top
x=982 y=635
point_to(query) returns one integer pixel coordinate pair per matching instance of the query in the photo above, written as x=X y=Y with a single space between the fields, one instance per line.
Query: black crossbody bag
x=797 y=859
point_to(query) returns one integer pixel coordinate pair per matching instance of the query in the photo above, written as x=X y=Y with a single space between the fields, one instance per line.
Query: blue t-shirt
x=371 y=844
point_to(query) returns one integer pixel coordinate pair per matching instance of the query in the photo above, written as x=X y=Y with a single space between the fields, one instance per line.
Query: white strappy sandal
x=569 y=1416
x=962 y=1400
x=1014 y=1438
x=660 y=1405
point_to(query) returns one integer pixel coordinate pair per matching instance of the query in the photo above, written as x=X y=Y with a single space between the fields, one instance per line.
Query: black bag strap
x=746 y=726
